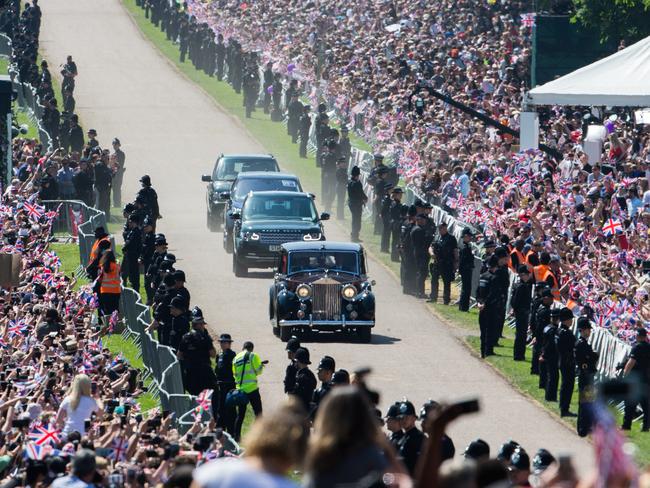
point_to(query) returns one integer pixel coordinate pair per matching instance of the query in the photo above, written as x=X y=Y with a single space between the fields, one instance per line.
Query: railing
x=161 y=364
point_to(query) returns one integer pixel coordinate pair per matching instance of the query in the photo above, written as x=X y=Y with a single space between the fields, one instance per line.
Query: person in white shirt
x=77 y=406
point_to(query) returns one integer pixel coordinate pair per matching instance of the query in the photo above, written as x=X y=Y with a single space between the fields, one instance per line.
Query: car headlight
x=312 y=236
x=348 y=292
x=250 y=236
x=303 y=291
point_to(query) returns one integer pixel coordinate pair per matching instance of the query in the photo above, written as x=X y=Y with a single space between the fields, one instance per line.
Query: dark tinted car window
x=243 y=187
x=229 y=168
x=262 y=206
x=304 y=261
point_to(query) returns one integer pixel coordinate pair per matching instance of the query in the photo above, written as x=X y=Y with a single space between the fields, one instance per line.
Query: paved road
x=173 y=132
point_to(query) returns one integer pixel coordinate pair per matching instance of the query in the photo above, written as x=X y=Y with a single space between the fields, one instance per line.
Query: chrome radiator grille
x=327 y=301
x=279 y=236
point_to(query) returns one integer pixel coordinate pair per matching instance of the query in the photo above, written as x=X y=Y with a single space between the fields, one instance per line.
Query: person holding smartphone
x=77 y=406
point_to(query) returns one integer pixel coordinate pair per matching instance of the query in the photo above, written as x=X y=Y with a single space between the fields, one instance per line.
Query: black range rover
x=269 y=219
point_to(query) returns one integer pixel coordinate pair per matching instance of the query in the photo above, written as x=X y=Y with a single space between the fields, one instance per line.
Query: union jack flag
x=34 y=451
x=204 y=401
x=45 y=435
x=52 y=260
x=113 y=320
x=612 y=226
x=16 y=328
x=33 y=210
x=118 y=449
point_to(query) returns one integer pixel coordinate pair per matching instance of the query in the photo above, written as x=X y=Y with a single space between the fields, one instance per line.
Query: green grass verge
x=274 y=138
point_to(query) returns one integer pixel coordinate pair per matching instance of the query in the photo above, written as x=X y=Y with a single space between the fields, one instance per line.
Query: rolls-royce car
x=225 y=170
x=269 y=219
x=322 y=286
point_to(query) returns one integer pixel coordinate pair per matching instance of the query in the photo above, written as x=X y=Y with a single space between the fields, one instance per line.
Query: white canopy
x=619 y=80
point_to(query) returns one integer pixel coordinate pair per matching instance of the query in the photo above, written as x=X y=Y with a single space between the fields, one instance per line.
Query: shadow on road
x=342 y=337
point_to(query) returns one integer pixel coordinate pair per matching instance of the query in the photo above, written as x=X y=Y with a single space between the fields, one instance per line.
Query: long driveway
x=171 y=130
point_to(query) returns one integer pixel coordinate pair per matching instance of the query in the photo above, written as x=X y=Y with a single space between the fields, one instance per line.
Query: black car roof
x=322 y=245
x=247 y=156
x=276 y=193
x=266 y=175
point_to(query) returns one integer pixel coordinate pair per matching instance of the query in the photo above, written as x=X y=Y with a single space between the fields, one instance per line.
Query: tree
x=614 y=20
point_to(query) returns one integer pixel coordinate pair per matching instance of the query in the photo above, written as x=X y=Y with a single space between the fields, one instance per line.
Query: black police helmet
x=566 y=314
x=393 y=411
x=428 y=406
x=477 y=449
x=327 y=363
x=406 y=408
x=520 y=460
x=177 y=302
x=293 y=344
x=146 y=180
x=341 y=377
x=302 y=355
x=197 y=316
x=542 y=460
x=584 y=323
x=506 y=450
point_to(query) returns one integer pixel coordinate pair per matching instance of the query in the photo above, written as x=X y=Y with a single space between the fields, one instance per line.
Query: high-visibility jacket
x=94 y=251
x=251 y=365
x=528 y=256
x=539 y=272
x=520 y=259
x=110 y=280
x=555 y=287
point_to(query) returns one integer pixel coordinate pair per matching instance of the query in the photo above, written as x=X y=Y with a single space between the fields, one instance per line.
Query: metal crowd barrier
x=161 y=364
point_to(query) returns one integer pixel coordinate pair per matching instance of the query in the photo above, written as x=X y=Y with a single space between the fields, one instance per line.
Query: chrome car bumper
x=327 y=324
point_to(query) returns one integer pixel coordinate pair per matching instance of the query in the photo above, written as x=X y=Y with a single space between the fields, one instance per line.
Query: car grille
x=279 y=236
x=326 y=304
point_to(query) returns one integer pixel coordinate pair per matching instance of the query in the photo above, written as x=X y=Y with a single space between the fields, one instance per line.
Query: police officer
x=566 y=343
x=638 y=365
x=224 y=414
x=586 y=360
x=221 y=56
x=266 y=86
x=151 y=271
x=356 y=200
x=180 y=322
x=488 y=249
x=447 y=447
x=304 y=124
x=465 y=269
x=341 y=187
x=294 y=112
x=195 y=352
x=179 y=287
x=345 y=147
x=407 y=259
x=540 y=317
x=377 y=179
x=325 y=372
x=328 y=174
x=550 y=357
x=303 y=388
x=161 y=312
x=391 y=207
x=150 y=197
x=411 y=443
x=251 y=91
x=420 y=247
x=322 y=130
x=502 y=281
x=393 y=425
x=444 y=251
x=488 y=298
x=520 y=301
x=293 y=345
x=131 y=251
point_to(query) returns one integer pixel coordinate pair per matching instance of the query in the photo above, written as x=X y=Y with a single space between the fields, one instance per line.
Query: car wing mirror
x=324 y=216
x=235 y=216
x=206 y=178
x=224 y=195
x=313 y=196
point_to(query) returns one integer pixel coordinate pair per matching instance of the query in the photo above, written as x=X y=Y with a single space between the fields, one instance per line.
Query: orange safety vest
x=110 y=281
x=520 y=258
x=539 y=272
x=528 y=256
x=555 y=287
x=94 y=251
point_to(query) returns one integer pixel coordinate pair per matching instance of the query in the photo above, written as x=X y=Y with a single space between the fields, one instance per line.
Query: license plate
x=275 y=248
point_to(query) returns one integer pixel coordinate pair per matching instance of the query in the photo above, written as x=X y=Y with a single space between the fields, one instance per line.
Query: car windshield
x=244 y=186
x=339 y=261
x=229 y=168
x=275 y=207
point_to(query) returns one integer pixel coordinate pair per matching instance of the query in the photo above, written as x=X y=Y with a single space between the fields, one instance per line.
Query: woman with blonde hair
x=77 y=406
x=347 y=447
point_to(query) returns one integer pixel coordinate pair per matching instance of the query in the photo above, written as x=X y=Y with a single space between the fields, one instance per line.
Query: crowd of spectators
x=375 y=64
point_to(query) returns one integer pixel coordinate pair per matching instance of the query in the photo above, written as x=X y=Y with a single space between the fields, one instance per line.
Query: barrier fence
x=160 y=362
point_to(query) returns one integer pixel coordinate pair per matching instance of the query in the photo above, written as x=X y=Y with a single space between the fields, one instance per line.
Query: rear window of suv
x=229 y=168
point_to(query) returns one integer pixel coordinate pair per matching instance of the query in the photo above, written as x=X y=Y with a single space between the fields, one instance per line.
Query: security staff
x=465 y=269
x=586 y=360
x=150 y=198
x=341 y=187
x=488 y=250
x=179 y=287
x=294 y=112
x=161 y=314
x=325 y=372
x=391 y=208
x=411 y=443
x=246 y=367
x=393 y=425
x=377 y=179
x=540 y=316
x=151 y=271
x=180 y=321
x=148 y=247
x=407 y=260
x=224 y=414
x=488 y=298
x=356 y=200
x=304 y=124
x=328 y=173
x=305 y=384
x=131 y=251
x=502 y=281
x=638 y=365
x=444 y=251
x=345 y=147
x=266 y=86
x=420 y=247
x=293 y=345
x=520 y=301
x=566 y=343
x=550 y=357
x=195 y=353
x=322 y=130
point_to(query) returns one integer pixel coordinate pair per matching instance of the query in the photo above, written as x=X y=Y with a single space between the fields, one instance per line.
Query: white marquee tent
x=619 y=80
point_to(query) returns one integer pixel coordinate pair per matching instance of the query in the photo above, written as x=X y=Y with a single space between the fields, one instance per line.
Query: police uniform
x=224 y=415
x=180 y=324
x=443 y=265
x=377 y=179
x=420 y=247
x=356 y=200
x=550 y=357
x=407 y=260
x=131 y=251
x=394 y=437
x=410 y=445
x=520 y=301
x=488 y=296
x=566 y=342
x=304 y=124
x=305 y=384
x=586 y=360
x=466 y=271
x=195 y=348
x=290 y=372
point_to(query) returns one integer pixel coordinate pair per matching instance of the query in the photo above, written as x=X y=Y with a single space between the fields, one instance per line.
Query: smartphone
x=87 y=425
x=469 y=406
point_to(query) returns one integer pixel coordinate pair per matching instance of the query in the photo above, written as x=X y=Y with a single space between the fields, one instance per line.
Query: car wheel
x=285 y=334
x=238 y=268
x=365 y=334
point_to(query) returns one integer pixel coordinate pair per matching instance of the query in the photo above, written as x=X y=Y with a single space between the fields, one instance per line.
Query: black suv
x=226 y=169
x=269 y=219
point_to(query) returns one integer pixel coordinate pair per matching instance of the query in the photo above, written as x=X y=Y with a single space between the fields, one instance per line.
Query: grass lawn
x=274 y=138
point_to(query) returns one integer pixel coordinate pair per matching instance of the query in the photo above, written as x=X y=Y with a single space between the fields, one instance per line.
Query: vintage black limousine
x=322 y=286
